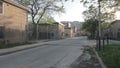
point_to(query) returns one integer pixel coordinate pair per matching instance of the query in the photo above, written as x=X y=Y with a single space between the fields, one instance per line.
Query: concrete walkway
x=23 y=47
x=114 y=42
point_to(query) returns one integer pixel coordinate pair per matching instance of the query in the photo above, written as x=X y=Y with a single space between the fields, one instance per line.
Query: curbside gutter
x=20 y=48
x=99 y=59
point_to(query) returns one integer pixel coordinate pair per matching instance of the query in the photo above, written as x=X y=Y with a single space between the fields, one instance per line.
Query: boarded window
x=118 y=35
x=1 y=32
x=1 y=7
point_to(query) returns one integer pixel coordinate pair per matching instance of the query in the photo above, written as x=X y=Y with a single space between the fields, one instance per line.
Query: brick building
x=51 y=31
x=13 y=21
x=69 y=30
x=114 y=30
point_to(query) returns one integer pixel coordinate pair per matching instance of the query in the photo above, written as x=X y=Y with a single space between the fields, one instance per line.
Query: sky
x=73 y=12
x=117 y=14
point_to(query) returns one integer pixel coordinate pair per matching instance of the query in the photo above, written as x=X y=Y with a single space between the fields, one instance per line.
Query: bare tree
x=40 y=7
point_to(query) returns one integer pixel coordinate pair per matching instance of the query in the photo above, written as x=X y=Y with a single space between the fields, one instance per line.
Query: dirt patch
x=87 y=60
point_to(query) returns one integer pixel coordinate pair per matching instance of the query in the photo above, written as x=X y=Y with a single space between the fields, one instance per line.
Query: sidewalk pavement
x=114 y=42
x=93 y=44
x=20 y=48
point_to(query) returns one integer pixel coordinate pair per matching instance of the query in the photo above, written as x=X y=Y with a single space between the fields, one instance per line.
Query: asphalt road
x=53 y=54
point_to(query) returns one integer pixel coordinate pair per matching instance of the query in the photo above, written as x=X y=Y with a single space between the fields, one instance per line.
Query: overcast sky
x=73 y=12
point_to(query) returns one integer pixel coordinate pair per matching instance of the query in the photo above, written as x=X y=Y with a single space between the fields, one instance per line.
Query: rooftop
x=16 y=4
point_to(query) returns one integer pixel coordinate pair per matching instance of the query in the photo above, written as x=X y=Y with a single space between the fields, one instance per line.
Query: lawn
x=111 y=55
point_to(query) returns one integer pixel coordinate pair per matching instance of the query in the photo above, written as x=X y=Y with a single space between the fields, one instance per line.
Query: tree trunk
x=34 y=31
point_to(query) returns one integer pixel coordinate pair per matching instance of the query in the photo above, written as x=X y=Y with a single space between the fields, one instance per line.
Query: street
x=53 y=54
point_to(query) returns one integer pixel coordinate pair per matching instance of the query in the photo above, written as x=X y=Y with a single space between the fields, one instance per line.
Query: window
x=118 y=35
x=118 y=29
x=1 y=32
x=66 y=34
x=1 y=7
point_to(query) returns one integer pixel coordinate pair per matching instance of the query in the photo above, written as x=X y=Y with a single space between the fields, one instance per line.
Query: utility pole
x=47 y=31
x=99 y=28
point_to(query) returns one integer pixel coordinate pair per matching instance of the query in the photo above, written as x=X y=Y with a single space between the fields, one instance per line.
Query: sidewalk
x=20 y=48
x=114 y=42
x=96 y=56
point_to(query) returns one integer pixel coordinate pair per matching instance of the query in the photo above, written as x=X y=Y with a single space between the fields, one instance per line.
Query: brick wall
x=15 y=21
x=51 y=31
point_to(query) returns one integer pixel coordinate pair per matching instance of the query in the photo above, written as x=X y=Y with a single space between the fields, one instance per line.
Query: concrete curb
x=20 y=48
x=23 y=47
x=99 y=59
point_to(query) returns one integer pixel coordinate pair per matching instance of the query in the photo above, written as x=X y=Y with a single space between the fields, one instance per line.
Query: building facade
x=13 y=21
x=51 y=31
x=114 y=30
x=70 y=30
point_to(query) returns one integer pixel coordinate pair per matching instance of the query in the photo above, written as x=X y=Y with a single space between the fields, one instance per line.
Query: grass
x=111 y=55
x=3 y=46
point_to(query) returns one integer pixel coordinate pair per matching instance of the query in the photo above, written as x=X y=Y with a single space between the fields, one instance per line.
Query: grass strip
x=111 y=55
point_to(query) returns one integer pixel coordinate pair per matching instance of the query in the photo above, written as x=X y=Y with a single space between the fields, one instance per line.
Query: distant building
x=114 y=30
x=69 y=32
x=68 y=29
x=13 y=21
x=67 y=23
x=51 y=31
x=72 y=28
x=77 y=26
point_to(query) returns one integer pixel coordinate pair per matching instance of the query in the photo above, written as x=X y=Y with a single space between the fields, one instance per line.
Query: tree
x=90 y=13
x=106 y=25
x=23 y=2
x=40 y=7
x=106 y=10
x=47 y=19
x=90 y=26
x=108 y=7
